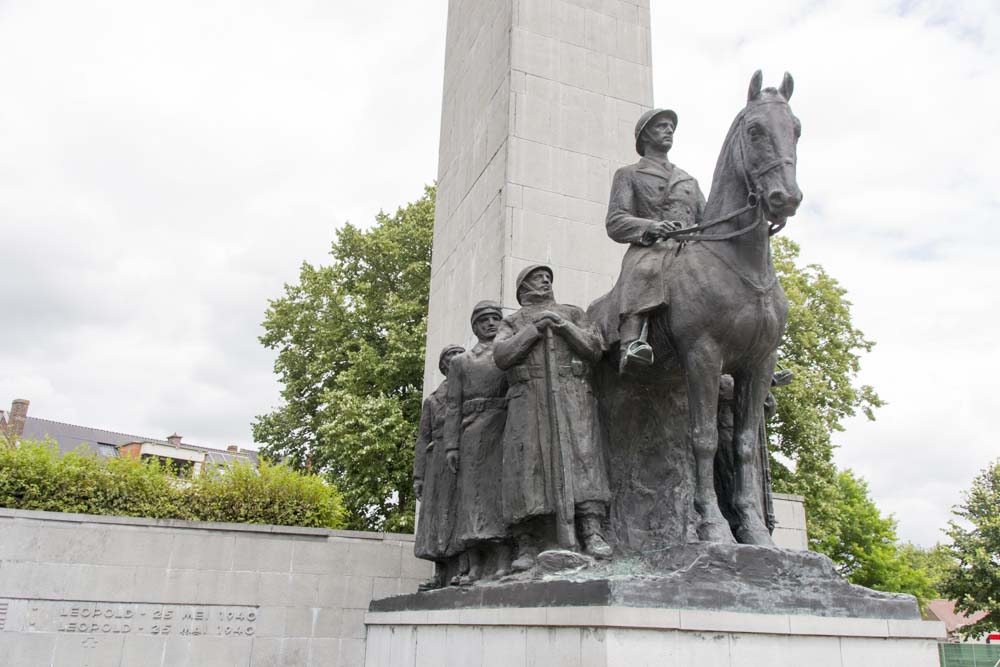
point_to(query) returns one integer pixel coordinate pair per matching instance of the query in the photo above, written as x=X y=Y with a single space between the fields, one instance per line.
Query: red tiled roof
x=944 y=611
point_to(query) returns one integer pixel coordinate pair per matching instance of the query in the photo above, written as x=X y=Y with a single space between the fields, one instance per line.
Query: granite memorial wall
x=99 y=591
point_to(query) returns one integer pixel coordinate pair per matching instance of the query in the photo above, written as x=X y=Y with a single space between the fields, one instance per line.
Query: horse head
x=768 y=132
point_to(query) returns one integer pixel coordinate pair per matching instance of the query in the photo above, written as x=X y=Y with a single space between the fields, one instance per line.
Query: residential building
x=181 y=456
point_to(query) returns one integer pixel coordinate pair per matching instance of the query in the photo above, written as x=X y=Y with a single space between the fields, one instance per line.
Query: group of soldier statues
x=509 y=462
x=510 y=458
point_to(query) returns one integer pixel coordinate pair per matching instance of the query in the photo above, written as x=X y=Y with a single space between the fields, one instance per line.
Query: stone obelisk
x=540 y=101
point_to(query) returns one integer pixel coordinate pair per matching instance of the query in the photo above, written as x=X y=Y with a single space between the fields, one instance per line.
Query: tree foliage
x=34 y=476
x=936 y=562
x=864 y=545
x=350 y=343
x=823 y=348
x=975 y=583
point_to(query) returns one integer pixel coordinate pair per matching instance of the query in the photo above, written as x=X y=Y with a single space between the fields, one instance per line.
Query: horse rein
x=686 y=234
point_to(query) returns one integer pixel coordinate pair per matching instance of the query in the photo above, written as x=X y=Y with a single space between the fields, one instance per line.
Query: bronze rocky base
x=717 y=577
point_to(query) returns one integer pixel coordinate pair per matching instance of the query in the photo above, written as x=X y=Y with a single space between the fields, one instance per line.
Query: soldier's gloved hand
x=549 y=319
x=418 y=488
x=661 y=228
x=452 y=458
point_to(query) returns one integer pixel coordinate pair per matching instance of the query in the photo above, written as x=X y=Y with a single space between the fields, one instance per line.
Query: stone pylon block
x=540 y=100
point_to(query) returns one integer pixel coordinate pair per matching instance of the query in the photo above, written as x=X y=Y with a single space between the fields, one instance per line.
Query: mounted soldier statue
x=698 y=289
x=649 y=199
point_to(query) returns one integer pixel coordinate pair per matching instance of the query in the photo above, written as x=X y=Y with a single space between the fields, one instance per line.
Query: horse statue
x=726 y=310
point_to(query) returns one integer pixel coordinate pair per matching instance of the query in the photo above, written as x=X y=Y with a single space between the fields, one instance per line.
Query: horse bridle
x=753 y=200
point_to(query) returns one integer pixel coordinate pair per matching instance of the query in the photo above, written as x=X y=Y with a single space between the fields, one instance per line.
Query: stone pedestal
x=637 y=637
x=690 y=605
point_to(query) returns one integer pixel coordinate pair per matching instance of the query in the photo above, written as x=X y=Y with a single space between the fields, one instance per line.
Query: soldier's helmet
x=527 y=271
x=485 y=308
x=647 y=118
x=444 y=355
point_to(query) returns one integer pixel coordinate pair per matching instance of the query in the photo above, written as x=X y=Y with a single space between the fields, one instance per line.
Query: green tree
x=864 y=545
x=350 y=343
x=823 y=348
x=936 y=562
x=975 y=583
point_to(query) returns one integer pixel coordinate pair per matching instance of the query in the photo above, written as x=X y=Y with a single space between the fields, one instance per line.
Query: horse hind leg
x=750 y=391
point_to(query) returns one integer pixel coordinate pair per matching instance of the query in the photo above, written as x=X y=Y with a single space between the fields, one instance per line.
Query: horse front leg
x=750 y=391
x=703 y=370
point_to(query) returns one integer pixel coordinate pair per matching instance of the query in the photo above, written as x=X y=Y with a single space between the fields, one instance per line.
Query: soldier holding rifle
x=555 y=484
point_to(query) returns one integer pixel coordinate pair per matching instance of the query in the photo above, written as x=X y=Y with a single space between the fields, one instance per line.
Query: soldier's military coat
x=474 y=425
x=436 y=522
x=642 y=194
x=528 y=478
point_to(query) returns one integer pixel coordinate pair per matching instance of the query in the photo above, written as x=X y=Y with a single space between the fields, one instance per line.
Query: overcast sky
x=166 y=167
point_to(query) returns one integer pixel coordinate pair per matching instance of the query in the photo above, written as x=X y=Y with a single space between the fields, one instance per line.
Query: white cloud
x=164 y=168
x=898 y=165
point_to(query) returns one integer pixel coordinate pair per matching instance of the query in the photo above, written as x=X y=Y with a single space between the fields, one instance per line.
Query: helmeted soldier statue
x=474 y=425
x=648 y=199
x=434 y=482
x=555 y=480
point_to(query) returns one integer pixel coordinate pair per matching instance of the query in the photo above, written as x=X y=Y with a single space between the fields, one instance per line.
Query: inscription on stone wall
x=127 y=618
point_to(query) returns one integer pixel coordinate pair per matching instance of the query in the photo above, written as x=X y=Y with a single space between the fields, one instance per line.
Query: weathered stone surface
x=633 y=636
x=650 y=465
x=562 y=560
x=719 y=577
x=274 y=596
x=537 y=108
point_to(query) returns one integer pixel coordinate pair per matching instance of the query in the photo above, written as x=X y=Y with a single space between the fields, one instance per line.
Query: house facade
x=172 y=451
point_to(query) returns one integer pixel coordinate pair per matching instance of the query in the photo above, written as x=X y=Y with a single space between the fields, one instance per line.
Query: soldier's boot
x=527 y=550
x=503 y=560
x=475 y=568
x=439 y=580
x=593 y=538
x=463 y=569
x=635 y=351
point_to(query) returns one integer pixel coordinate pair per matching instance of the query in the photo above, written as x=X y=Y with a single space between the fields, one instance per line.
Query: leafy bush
x=34 y=476
x=273 y=494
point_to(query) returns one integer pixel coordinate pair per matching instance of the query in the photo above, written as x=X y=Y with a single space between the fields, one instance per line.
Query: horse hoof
x=716 y=531
x=758 y=537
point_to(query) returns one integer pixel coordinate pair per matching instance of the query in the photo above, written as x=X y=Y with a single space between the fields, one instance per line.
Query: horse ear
x=787 y=86
x=756 y=81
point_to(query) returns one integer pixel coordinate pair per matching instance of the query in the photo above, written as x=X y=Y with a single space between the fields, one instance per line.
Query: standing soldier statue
x=725 y=458
x=434 y=482
x=648 y=200
x=554 y=476
x=474 y=425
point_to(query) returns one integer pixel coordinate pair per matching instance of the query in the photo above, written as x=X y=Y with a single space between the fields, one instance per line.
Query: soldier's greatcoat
x=436 y=523
x=642 y=194
x=528 y=477
x=474 y=425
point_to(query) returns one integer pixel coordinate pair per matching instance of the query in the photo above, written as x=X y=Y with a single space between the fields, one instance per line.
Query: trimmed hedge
x=33 y=476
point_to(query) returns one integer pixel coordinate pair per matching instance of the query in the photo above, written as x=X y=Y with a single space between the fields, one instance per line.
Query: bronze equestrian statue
x=722 y=309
